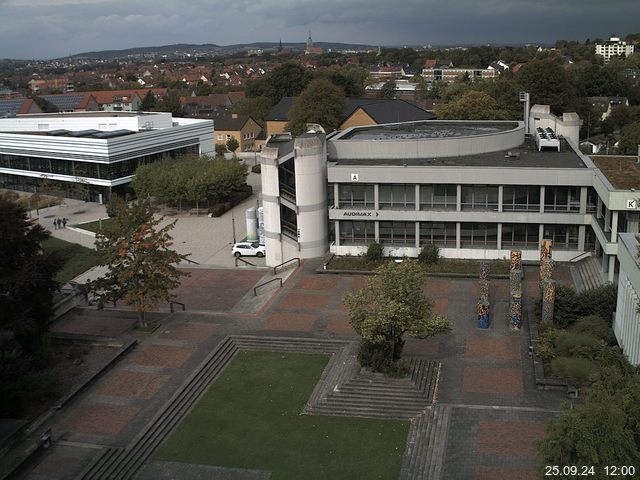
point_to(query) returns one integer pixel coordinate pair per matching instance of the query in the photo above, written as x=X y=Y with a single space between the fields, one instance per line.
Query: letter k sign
x=632 y=204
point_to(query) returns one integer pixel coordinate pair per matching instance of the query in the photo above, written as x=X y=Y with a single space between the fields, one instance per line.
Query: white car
x=248 y=249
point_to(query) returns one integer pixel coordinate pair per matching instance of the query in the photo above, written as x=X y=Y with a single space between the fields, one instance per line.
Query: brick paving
x=496 y=381
x=486 y=376
x=130 y=384
x=163 y=356
x=100 y=419
x=508 y=438
x=496 y=348
x=296 y=322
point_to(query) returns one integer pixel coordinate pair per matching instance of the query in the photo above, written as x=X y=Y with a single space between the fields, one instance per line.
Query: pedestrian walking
x=64 y=222
x=55 y=223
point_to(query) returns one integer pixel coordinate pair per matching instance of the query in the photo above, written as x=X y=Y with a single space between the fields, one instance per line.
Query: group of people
x=60 y=223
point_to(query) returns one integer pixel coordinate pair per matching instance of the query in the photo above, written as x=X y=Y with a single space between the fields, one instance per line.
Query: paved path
x=495 y=412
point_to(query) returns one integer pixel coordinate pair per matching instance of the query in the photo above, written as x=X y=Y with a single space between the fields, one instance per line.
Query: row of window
x=443 y=234
x=473 y=197
x=74 y=168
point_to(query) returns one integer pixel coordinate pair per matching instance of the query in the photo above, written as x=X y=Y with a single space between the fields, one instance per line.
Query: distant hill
x=209 y=49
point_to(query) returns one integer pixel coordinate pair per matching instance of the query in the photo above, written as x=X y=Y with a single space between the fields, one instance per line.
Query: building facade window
x=479 y=197
x=398 y=233
x=479 y=235
x=562 y=199
x=438 y=197
x=357 y=233
x=356 y=196
x=592 y=200
x=440 y=234
x=564 y=237
x=397 y=196
x=523 y=235
x=520 y=198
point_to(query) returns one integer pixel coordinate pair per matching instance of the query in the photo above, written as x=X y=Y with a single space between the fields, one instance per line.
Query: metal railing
x=275 y=269
x=173 y=302
x=255 y=289
x=191 y=261
x=243 y=261
x=583 y=254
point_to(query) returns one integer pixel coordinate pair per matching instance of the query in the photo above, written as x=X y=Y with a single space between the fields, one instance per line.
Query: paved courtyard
x=486 y=379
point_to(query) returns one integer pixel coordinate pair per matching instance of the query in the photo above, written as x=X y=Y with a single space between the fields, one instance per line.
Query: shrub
x=545 y=346
x=596 y=326
x=374 y=252
x=377 y=357
x=217 y=210
x=575 y=370
x=256 y=168
x=429 y=254
x=570 y=305
x=578 y=344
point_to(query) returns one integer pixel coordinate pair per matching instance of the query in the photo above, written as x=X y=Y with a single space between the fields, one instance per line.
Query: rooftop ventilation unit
x=546 y=138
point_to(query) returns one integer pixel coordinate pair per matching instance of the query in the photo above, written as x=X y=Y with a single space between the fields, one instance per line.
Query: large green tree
x=141 y=266
x=27 y=287
x=322 y=102
x=549 y=84
x=600 y=431
x=630 y=140
x=389 y=306
x=472 y=105
x=286 y=80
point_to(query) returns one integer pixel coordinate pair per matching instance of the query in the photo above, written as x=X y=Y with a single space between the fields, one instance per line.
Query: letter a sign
x=354 y=177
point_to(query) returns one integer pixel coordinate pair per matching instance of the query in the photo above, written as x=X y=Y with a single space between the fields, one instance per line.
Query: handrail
x=284 y=263
x=191 y=261
x=243 y=261
x=255 y=289
x=173 y=302
x=583 y=254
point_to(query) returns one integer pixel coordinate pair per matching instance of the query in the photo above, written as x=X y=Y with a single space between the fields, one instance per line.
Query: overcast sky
x=56 y=28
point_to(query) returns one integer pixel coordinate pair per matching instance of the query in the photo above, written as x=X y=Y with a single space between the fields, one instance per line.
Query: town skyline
x=43 y=29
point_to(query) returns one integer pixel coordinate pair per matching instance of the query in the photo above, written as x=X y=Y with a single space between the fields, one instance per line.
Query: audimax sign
x=359 y=213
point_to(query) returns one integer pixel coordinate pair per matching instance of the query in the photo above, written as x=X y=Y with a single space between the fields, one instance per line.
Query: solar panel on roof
x=84 y=133
x=58 y=133
x=64 y=103
x=112 y=134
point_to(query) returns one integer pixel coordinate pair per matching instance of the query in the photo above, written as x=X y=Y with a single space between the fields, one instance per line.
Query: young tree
x=232 y=144
x=142 y=268
x=321 y=102
x=148 y=102
x=389 y=89
x=390 y=305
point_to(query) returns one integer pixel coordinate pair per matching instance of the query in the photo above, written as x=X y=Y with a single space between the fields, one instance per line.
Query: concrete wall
x=626 y=325
x=568 y=126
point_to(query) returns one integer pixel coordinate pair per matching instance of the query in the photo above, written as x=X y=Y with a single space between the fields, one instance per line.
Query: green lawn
x=77 y=259
x=93 y=226
x=250 y=418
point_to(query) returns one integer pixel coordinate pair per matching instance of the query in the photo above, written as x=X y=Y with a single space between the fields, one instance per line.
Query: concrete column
x=336 y=231
x=540 y=234
x=607 y=221
x=376 y=199
x=582 y=235
x=458 y=234
x=459 y=199
x=271 y=204
x=500 y=231
x=542 y=190
x=500 y=200
x=417 y=242
x=614 y=227
x=583 y=200
x=377 y=229
x=612 y=268
x=336 y=195
x=417 y=195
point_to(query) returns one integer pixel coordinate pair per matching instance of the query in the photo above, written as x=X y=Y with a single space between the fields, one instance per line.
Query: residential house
x=241 y=127
x=73 y=102
x=18 y=106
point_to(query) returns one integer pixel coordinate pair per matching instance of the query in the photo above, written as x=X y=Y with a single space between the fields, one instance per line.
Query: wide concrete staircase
x=361 y=393
x=589 y=274
x=122 y=463
x=426 y=445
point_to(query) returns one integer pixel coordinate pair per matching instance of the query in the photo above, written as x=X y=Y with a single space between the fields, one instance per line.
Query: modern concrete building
x=626 y=324
x=476 y=189
x=613 y=48
x=98 y=151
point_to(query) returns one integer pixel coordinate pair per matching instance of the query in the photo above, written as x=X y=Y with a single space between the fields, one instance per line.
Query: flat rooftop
x=525 y=156
x=427 y=130
x=88 y=114
x=623 y=172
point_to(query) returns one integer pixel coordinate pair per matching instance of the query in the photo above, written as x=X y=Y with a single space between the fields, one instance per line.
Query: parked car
x=248 y=249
